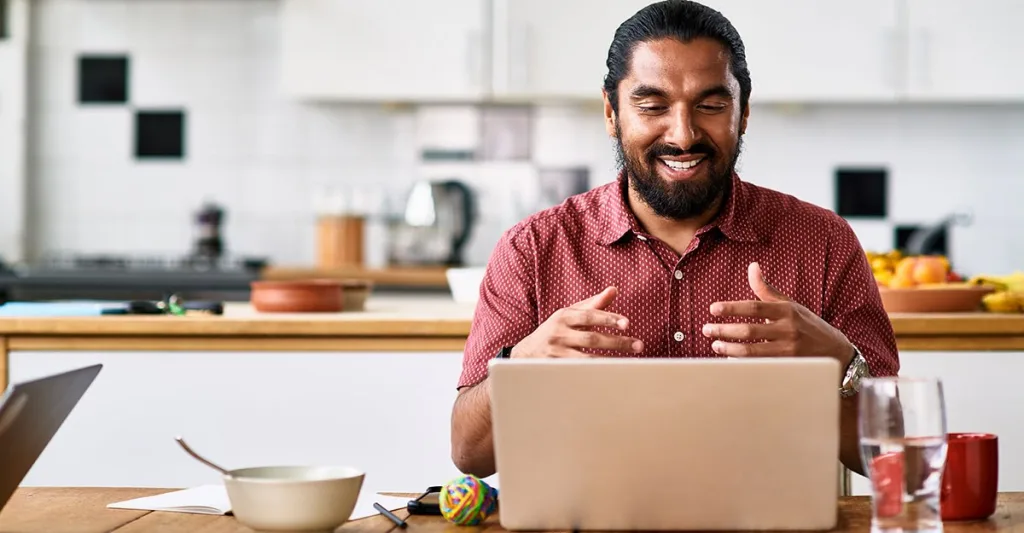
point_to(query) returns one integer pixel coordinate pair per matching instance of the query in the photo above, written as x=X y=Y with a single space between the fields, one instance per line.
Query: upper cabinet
x=384 y=50
x=554 y=49
x=815 y=51
x=966 y=51
x=535 y=50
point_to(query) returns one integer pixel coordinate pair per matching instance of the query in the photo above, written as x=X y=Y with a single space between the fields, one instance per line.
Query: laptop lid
x=666 y=444
x=31 y=412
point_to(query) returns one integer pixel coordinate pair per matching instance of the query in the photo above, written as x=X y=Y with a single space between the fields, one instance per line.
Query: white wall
x=264 y=156
x=13 y=72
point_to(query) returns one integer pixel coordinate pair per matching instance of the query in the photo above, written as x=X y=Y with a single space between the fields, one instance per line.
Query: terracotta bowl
x=960 y=299
x=304 y=296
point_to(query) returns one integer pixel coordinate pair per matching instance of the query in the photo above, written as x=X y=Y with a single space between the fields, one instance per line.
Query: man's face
x=679 y=125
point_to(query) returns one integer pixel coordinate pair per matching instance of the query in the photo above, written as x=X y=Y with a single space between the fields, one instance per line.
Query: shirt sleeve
x=853 y=305
x=506 y=311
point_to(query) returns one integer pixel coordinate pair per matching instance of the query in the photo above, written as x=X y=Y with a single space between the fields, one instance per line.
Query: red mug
x=970 y=479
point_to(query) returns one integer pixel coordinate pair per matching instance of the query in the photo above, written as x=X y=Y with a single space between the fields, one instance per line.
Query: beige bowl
x=294 y=498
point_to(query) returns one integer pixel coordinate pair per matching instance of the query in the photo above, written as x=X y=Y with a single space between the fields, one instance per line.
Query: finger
x=581 y=318
x=601 y=341
x=761 y=288
x=751 y=308
x=600 y=300
x=756 y=349
x=742 y=332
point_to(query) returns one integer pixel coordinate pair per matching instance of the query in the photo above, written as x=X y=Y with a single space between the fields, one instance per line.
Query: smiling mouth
x=681 y=169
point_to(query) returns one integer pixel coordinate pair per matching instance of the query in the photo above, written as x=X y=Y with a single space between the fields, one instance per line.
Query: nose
x=682 y=131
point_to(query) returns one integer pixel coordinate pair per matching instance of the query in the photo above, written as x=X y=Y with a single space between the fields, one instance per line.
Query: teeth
x=682 y=165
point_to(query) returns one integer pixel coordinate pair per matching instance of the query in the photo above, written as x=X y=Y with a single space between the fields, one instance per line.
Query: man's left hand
x=788 y=328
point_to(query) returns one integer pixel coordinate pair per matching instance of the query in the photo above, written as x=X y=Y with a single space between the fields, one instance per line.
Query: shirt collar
x=734 y=220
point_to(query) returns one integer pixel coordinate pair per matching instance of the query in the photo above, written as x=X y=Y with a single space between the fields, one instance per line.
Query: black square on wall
x=160 y=134
x=862 y=192
x=103 y=79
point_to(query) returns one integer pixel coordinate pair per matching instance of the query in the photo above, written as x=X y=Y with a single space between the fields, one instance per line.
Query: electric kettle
x=435 y=226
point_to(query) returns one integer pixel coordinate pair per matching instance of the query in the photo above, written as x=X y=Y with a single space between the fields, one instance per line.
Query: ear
x=743 y=119
x=609 y=114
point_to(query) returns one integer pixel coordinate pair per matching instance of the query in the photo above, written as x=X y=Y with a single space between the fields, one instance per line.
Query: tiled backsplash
x=264 y=157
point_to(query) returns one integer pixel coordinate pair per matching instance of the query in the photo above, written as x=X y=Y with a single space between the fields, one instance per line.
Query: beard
x=677 y=200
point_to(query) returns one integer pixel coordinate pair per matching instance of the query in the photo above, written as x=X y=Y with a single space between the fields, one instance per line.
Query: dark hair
x=684 y=21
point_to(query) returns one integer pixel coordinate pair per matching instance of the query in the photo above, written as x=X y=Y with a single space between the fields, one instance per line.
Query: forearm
x=471 y=440
x=849 y=440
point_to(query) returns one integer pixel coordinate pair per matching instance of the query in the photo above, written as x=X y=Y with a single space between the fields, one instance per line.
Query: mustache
x=664 y=150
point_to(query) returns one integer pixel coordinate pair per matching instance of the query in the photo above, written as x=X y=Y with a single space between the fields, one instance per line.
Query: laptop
x=31 y=412
x=666 y=444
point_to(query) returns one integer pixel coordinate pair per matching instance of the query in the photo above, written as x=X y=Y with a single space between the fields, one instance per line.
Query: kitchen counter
x=416 y=278
x=396 y=324
x=314 y=377
x=440 y=317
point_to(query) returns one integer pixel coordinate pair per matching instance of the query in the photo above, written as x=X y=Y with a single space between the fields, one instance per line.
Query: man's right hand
x=566 y=332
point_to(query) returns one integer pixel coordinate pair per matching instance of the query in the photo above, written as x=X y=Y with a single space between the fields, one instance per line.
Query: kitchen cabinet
x=387 y=413
x=798 y=50
x=554 y=50
x=537 y=50
x=964 y=51
x=384 y=50
x=813 y=51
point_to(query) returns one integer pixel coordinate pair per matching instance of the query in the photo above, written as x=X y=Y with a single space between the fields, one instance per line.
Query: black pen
x=391 y=516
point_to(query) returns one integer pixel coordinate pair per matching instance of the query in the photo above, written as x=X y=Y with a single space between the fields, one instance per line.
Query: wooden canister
x=340 y=241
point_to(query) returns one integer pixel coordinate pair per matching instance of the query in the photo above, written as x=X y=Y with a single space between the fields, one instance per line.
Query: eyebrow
x=647 y=91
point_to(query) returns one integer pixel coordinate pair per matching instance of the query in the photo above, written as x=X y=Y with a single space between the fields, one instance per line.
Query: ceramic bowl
x=465 y=283
x=355 y=293
x=959 y=299
x=299 y=296
x=294 y=498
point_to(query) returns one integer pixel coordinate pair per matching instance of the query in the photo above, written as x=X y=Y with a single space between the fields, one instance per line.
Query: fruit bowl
x=952 y=298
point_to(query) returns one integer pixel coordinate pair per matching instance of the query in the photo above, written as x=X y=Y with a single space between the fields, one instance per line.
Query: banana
x=1004 y=302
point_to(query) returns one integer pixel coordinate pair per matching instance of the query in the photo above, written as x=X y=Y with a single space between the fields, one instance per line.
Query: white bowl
x=293 y=498
x=465 y=283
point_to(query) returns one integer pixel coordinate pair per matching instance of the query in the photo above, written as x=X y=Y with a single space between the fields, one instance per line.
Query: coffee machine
x=435 y=226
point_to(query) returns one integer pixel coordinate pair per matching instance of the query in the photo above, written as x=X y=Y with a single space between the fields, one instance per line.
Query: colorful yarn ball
x=468 y=500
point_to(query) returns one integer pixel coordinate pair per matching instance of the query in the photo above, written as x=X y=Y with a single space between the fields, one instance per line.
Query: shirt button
x=679 y=275
x=678 y=336
x=641 y=237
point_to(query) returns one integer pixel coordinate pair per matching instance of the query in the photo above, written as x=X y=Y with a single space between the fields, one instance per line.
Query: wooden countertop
x=418 y=277
x=408 y=316
x=83 y=510
x=439 y=317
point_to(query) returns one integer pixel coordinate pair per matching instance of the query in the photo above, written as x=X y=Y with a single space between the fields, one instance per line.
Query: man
x=678 y=257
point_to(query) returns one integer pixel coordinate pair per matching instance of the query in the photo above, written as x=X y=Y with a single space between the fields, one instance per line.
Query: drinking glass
x=903 y=445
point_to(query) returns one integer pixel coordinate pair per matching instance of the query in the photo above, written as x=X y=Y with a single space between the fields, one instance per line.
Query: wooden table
x=83 y=510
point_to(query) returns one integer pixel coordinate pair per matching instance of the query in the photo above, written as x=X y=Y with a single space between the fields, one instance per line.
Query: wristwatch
x=855 y=372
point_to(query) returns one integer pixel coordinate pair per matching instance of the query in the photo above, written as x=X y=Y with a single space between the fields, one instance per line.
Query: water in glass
x=903 y=446
x=906 y=478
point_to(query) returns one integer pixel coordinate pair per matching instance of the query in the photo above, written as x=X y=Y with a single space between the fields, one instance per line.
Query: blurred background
x=200 y=144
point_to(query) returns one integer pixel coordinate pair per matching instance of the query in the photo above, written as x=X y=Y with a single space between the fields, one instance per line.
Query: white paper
x=205 y=499
x=213 y=499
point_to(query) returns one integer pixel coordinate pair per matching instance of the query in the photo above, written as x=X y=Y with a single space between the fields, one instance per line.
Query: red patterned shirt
x=573 y=251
